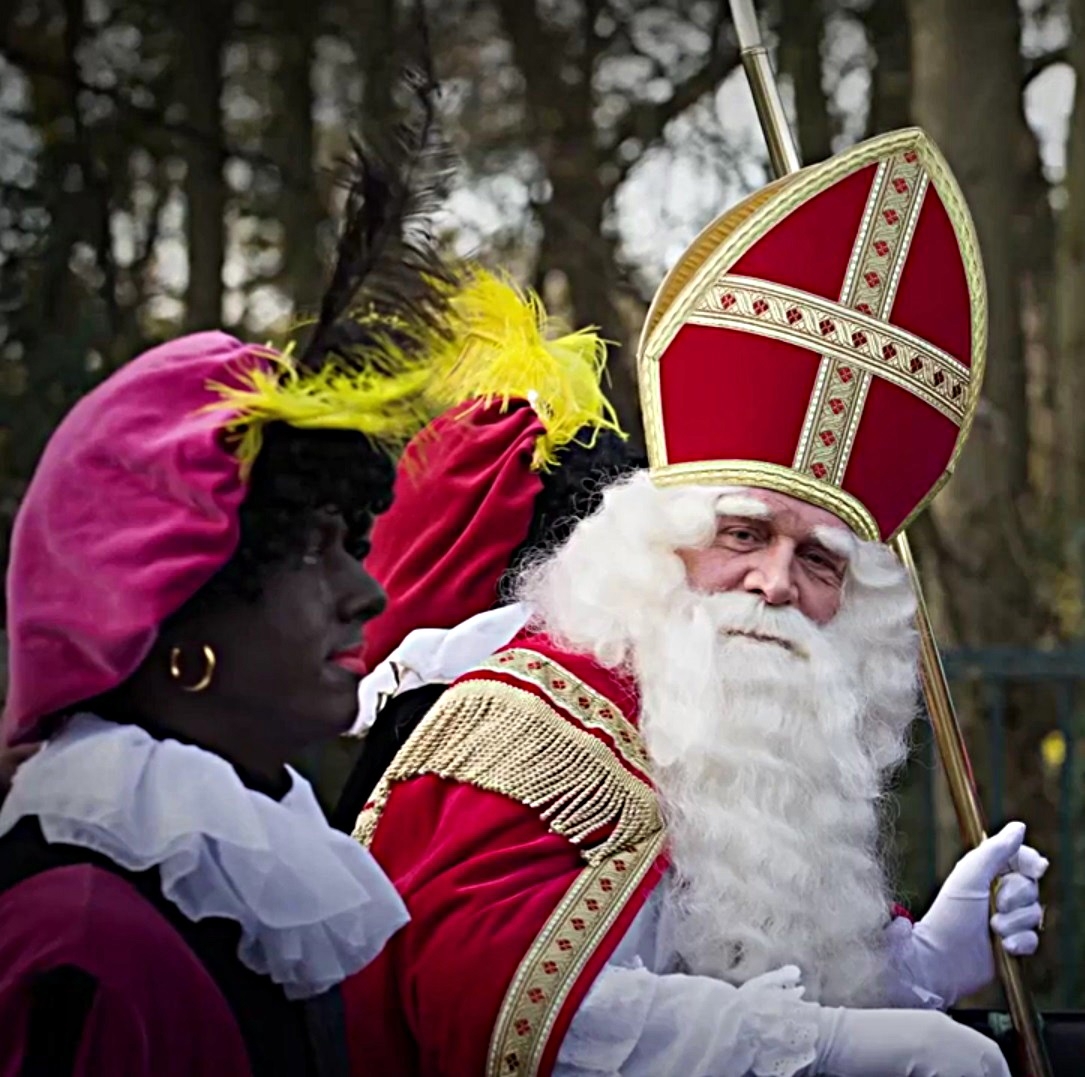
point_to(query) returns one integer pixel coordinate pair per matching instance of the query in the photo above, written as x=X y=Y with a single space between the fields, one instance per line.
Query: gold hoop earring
x=204 y=682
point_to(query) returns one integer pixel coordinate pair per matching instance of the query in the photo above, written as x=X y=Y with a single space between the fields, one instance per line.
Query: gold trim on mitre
x=708 y=239
x=784 y=480
x=714 y=253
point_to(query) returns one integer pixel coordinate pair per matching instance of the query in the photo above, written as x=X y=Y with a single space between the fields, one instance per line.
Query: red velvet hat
x=466 y=486
x=465 y=495
x=825 y=338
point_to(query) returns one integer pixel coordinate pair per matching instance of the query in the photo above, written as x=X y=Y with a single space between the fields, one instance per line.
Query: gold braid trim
x=506 y=739
x=556 y=961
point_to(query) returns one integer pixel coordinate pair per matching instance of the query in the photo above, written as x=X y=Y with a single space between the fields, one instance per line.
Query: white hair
x=770 y=758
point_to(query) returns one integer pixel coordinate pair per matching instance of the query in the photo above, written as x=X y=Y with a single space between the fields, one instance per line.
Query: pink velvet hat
x=134 y=507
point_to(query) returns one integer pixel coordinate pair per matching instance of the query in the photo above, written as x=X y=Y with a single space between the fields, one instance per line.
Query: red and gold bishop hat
x=824 y=338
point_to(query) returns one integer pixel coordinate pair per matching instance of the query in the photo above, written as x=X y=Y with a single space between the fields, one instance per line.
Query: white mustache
x=762 y=637
x=736 y=614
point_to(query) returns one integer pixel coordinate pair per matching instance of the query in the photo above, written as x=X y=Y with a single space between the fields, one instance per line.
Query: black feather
x=390 y=280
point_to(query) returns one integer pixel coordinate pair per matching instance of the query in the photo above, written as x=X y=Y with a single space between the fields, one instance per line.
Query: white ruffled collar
x=313 y=905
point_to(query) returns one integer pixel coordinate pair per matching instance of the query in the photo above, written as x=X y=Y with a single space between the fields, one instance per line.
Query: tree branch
x=646 y=120
x=95 y=184
x=593 y=44
x=535 y=47
x=143 y=113
x=138 y=268
x=946 y=567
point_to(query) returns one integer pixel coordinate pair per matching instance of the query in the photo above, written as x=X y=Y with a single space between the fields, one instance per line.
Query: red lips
x=350 y=658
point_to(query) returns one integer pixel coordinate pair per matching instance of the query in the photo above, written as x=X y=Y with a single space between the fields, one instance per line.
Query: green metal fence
x=1003 y=691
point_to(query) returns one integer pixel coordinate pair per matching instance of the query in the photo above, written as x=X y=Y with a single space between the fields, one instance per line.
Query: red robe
x=521 y=828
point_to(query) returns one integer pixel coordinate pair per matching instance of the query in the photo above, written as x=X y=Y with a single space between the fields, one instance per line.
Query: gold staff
x=947 y=731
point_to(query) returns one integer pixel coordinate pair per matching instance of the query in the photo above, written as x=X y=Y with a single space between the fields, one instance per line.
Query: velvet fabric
x=481 y=874
x=441 y=559
x=729 y=394
x=132 y=509
x=102 y=974
x=154 y=1007
x=901 y=443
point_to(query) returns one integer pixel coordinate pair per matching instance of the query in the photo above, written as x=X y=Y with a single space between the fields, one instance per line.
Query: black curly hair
x=570 y=491
x=297 y=474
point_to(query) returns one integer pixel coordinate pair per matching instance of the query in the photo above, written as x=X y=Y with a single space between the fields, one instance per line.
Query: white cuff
x=435 y=656
x=636 y=1023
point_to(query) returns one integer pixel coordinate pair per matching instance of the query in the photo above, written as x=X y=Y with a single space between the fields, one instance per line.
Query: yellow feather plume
x=504 y=347
x=388 y=407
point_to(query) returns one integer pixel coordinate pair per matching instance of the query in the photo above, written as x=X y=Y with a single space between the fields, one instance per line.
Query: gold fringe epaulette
x=523 y=743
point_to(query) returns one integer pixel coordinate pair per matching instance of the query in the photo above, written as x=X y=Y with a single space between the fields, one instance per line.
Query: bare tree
x=293 y=138
x=202 y=31
x=966 y=66
x=889 y=35
x=802 y=27
x=583 y=162
x=1070 y=320
x=966 y=93
x=375 y=31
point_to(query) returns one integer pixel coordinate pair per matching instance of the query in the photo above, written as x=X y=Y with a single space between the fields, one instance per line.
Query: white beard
x=770 y=764
x=770 y=796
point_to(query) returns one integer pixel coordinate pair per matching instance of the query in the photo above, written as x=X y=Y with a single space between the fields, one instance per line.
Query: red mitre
x=824 y=338
x=465 y=495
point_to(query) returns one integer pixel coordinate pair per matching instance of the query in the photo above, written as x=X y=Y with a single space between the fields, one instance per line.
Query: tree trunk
x=202 y=28
x=562 y=125
x=574 y=245
x=891 y=78
x=1035 y=237
x=379 y=57
x=802 y=27
x=300 y=209
x=1070 y=322
x=966 y=71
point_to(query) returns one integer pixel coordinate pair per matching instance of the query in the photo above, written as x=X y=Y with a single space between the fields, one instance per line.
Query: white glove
x=949 y=951
x=902 y=1043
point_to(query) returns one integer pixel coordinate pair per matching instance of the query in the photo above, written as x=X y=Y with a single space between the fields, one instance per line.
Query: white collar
x=435 y=656
x=313 y=905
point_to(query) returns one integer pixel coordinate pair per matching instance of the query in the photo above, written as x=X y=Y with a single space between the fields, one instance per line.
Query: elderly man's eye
x=824 y=564
x=740 y=537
